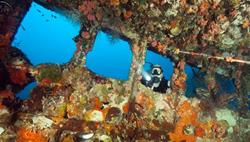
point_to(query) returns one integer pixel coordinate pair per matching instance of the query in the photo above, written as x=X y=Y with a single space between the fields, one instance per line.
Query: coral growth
x=188 y=118
x=49 y=74
x=87 y=8
x=18 y=76
x=26 y=135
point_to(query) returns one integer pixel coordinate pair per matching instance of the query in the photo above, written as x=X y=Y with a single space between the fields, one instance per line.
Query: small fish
x=38 y=10
x=53 y=16
x=47 y=20
x=23 y=27
x=18 y=43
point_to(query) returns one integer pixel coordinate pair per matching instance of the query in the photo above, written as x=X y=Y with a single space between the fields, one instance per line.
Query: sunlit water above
x=110 y=57
x=46 y=37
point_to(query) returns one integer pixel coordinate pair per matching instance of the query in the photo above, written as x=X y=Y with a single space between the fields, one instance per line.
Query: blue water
x=233 y=104
x=193 y=82
x=226 y=85
x=46 y=37
x=109 y=57
x=24 y=94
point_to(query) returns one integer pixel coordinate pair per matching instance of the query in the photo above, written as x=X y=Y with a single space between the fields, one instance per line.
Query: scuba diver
x=155 y=79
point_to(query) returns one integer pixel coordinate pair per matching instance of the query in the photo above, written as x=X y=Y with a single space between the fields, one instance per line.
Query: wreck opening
x=195 y=77
x=45 y=36
x=110 y=56
x=167 y=65
x=25 y=93
x=158 y=82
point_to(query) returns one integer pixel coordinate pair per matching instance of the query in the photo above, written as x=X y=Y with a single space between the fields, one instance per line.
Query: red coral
x=85 y=35
x=6 y=94
x=25 y=135
x=45 y=82
x=179 y=79
x=99 y=15
x=159 y=46
x=203 y=8
x=18 y=76
x=96 y=103
x=5 y=39
x=87 y=8
x=114 y=2
x=199 y=132
x=127 y=14
x=202 y=22
x=214 y=28
x=91 y=17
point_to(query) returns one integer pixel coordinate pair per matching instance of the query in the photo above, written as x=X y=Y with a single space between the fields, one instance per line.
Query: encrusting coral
x=26 y=135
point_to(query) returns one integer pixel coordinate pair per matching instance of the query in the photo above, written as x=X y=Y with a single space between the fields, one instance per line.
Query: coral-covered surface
x=71 y=103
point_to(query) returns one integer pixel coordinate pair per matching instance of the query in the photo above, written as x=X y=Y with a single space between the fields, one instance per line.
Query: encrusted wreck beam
x=61 y=4
x=226 y=59
x=135 y=71
x=12 y=13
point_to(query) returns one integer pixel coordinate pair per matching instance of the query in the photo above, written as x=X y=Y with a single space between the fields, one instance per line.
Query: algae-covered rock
x=42 y=121
x=227 y=40
x=52 y=73
x=235 y=32
x=105 y=138
x=175 y=31
x=228 y=116
x=94 y=115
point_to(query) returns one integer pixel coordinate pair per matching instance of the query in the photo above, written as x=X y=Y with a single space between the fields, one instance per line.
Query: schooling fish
x=38 y=10
x=23 y=27
x=53 y=16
